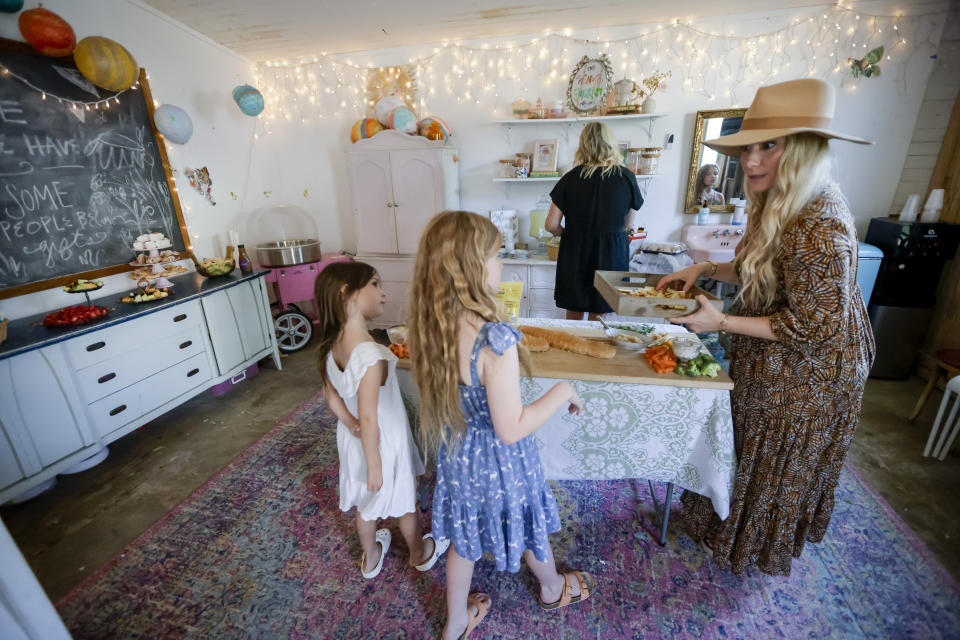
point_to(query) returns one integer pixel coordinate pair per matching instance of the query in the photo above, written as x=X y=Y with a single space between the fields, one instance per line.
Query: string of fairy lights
x=86 y=105
x=723 y=68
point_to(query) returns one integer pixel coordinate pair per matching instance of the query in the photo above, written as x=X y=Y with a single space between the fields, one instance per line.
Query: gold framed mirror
x=728 y=182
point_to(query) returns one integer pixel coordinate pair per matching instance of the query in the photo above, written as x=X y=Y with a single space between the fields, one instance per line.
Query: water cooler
x=905 y=291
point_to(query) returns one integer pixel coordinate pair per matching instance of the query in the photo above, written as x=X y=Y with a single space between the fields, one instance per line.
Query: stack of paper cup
x=909 y=211
x=931 y=210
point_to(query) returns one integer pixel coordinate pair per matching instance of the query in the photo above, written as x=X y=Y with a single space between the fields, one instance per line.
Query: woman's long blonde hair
x=449 y=278
x=598 y=150
x=803 y=173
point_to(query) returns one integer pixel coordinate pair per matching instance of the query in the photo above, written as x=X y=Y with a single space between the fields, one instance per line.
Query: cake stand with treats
x=155 y=257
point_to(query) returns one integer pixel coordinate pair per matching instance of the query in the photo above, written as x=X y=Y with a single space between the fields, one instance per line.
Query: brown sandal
x=482 y=602
x=586 y=588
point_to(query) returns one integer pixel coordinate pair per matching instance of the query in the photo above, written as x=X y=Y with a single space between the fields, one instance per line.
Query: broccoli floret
x=687 y=368
x=711 y=369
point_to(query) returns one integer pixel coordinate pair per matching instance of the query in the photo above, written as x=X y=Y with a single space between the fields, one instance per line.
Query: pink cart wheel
x=294 y=330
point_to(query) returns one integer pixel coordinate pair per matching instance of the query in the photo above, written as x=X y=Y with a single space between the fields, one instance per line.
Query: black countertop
x=27 y=334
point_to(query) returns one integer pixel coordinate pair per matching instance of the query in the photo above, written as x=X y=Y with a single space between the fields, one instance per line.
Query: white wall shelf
x=629 y=116
x=644 y=177
x=639 y=176
x=646 y=120
x=526 y=179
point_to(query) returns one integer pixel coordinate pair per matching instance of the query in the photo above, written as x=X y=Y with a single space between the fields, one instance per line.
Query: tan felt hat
x=781 y=109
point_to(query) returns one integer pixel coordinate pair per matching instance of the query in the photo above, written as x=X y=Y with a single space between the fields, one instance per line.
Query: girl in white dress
x=379 y=461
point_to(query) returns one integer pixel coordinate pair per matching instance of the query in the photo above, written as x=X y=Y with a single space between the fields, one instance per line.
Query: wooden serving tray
x=627 y=367
x=608 y=284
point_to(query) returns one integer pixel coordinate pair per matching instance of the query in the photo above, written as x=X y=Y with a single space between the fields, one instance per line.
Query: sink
x=714 y=242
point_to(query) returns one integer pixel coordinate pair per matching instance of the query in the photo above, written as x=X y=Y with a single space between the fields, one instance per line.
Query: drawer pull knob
x=96 y=345
x=118 y=410
x=192 y=372
x=106 y=378
x=180 y=317
x=184 y=345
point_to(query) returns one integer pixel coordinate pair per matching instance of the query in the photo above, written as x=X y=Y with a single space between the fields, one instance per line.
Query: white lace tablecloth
x=658 y=432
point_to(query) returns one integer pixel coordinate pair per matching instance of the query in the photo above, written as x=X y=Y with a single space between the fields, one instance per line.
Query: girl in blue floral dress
x=491 y=496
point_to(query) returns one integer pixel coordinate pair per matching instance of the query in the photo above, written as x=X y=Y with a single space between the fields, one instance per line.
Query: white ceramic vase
x=649 y=105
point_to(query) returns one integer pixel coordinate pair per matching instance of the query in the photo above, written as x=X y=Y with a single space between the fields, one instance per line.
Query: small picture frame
x=624 y=147
x=545 y=155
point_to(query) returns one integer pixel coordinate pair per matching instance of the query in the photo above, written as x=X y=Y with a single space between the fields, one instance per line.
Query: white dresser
x=64 y=395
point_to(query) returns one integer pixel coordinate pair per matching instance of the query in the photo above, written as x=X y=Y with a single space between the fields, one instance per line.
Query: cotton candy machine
x=283 y=236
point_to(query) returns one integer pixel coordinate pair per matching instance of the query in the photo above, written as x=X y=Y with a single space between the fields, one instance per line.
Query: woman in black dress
x=593 y=199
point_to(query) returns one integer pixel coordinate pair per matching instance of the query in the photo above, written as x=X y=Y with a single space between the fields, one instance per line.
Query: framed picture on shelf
x=545 y=155
x=624 y=147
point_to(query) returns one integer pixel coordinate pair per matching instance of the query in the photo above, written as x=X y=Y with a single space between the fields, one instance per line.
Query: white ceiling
x=285 y=29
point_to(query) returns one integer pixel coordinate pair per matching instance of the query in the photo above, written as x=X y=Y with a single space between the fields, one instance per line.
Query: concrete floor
x=88 y=517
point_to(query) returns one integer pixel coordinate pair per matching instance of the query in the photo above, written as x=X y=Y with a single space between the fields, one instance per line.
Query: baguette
x=535 y=344
x=563 y=340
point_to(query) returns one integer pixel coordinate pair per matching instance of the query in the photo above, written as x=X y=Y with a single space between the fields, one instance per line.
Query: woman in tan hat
x=802 y=343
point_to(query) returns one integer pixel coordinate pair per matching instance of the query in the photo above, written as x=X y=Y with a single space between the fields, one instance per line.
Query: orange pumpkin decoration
x=105 y=63
x=47 y=32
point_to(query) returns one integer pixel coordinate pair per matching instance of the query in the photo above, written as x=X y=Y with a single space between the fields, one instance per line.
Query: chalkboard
x=78 y=184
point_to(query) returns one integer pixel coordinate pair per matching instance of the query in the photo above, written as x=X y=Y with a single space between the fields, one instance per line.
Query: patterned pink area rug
x=262 y=551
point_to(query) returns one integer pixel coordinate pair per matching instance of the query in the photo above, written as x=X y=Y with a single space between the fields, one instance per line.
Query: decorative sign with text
x=77 y=186
x=590 y=82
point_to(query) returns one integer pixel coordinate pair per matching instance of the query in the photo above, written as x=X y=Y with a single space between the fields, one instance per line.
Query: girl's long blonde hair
x=332 y=289
x=598 y=150
x=803 y=173
x=449 y=278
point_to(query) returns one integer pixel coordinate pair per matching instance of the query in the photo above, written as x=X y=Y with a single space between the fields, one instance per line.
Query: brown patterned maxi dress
x=797 y=400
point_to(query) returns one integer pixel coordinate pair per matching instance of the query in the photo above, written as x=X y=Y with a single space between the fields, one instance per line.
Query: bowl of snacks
x=214 y=267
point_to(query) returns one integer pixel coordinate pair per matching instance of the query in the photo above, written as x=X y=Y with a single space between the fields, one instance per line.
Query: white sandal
x=439 y=548
x=383 y=539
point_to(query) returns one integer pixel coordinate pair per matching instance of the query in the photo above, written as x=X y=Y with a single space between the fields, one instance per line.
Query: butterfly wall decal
x=868 y=66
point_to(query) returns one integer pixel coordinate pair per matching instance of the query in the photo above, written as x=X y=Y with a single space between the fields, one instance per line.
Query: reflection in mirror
x=714 y=178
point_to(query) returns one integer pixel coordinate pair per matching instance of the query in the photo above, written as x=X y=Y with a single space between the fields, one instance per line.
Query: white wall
x=184 y=69
x=310 y=156
x=933 y=118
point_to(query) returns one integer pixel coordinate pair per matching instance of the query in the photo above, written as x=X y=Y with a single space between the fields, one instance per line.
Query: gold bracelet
x=723 y=322
x=715 y=267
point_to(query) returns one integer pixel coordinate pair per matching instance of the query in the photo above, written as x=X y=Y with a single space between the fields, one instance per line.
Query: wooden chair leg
x=926 y=393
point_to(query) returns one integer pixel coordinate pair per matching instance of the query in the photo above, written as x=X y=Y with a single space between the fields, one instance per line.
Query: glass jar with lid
x=505 y=168
x=649 y=160
x=633 y=159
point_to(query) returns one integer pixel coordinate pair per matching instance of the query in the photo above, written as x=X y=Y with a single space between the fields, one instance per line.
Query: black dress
x=595 y=212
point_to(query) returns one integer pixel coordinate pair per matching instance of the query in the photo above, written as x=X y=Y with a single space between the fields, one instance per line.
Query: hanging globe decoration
x=174 y=123
x=105 y=63
x=427 y=129
x=11 y=6
x=365 y=128
x=45 y=31
x=248 y=99
x=385 y=106
x=402 y=119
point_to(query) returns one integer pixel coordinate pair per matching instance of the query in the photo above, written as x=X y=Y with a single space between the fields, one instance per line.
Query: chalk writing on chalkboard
x=77 y=184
